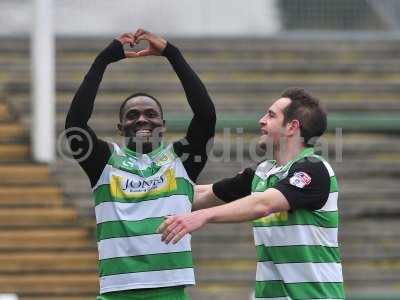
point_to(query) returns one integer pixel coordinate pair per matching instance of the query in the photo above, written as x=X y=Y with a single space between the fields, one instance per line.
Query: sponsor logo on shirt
x=141 y=185
x=134 y=186
x=300 y=179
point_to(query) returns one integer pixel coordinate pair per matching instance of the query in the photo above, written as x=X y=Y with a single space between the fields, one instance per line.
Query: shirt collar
x=151 y=154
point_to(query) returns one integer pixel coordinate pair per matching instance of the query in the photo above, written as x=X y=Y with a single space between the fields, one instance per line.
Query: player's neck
x=142 y=148
x=287 y=152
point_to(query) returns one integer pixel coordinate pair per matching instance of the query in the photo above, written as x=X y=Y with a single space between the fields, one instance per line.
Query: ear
x=293 y=126
x=120 y=131
x=296 y=124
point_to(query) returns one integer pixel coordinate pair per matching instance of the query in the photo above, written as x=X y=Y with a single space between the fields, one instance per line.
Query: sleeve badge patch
x=300 y=179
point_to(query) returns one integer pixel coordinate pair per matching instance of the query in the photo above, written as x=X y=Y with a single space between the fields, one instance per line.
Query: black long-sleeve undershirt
x=93 y=153
x=311 y=196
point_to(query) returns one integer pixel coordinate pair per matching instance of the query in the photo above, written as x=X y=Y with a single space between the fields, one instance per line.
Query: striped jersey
x=133 y=195
x=297 y=252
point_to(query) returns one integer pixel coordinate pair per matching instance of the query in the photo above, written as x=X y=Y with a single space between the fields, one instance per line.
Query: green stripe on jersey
x=298 y=254
x=334 y=185
x=300 y=217
x=116 y=229
x=184 y=187
x=299 y=291
x=145 y=263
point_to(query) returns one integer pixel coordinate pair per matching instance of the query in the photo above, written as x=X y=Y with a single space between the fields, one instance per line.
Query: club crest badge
x=300 y=179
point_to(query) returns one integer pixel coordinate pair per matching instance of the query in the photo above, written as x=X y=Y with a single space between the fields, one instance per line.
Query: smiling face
x=142 y=121
x=271 y=124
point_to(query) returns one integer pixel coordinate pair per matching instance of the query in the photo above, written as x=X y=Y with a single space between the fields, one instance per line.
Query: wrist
x=112 y=53
x=206 y=215
x=169 y=50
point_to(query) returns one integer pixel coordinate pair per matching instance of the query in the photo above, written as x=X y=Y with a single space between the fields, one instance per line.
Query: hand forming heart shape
x=156 y=45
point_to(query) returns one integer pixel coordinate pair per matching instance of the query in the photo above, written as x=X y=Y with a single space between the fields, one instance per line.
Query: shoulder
x=307 y=184
x=311 y=167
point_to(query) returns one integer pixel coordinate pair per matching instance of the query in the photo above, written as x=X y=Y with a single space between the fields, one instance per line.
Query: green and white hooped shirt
x=133 y=195
x=297 y=252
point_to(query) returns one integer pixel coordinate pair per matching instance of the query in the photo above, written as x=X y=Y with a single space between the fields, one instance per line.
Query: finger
x=172 y=234
x=130 y=54
x=124 y=37
x=132 y=37
x=163 y=226
x=139 y=32
x=179 y=236
x=145 y=52
x=169 y=230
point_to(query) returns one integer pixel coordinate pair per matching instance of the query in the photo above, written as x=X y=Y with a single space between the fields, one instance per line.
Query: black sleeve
x=307 y=185
x=91 y=153
x=239 y=186
x=193 y=148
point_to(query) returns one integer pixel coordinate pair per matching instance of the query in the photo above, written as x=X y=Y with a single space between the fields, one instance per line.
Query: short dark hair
x=141 y=94
x=307 y=109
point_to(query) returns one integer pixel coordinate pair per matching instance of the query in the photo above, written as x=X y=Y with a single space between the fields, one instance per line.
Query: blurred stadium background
x=347 y=52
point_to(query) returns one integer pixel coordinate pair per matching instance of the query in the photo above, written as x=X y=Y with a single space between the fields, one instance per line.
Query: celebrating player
x=292 y=200
x=137 y=185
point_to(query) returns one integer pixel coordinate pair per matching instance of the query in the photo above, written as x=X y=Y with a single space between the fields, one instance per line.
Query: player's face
x=142 y=119
x=271 y=124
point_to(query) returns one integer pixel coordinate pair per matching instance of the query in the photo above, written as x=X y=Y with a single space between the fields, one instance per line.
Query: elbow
x=207 y=115
x=211 y=121
x=213 y=116
x=262 y=209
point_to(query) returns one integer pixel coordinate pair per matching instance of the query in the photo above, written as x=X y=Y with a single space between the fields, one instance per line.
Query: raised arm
x=91 y=153
x=203 y=123
x=192 y=149
x=201 y=130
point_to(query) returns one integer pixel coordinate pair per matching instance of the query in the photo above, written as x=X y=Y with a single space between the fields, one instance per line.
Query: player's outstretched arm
x=248 y=208
x=82 y=104
x=91 y=152
x=204 y=197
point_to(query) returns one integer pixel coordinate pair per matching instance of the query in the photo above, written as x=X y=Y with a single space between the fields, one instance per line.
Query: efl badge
x=300 y=179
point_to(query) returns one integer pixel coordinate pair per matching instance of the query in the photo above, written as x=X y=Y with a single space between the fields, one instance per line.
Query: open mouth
x=143 y=132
